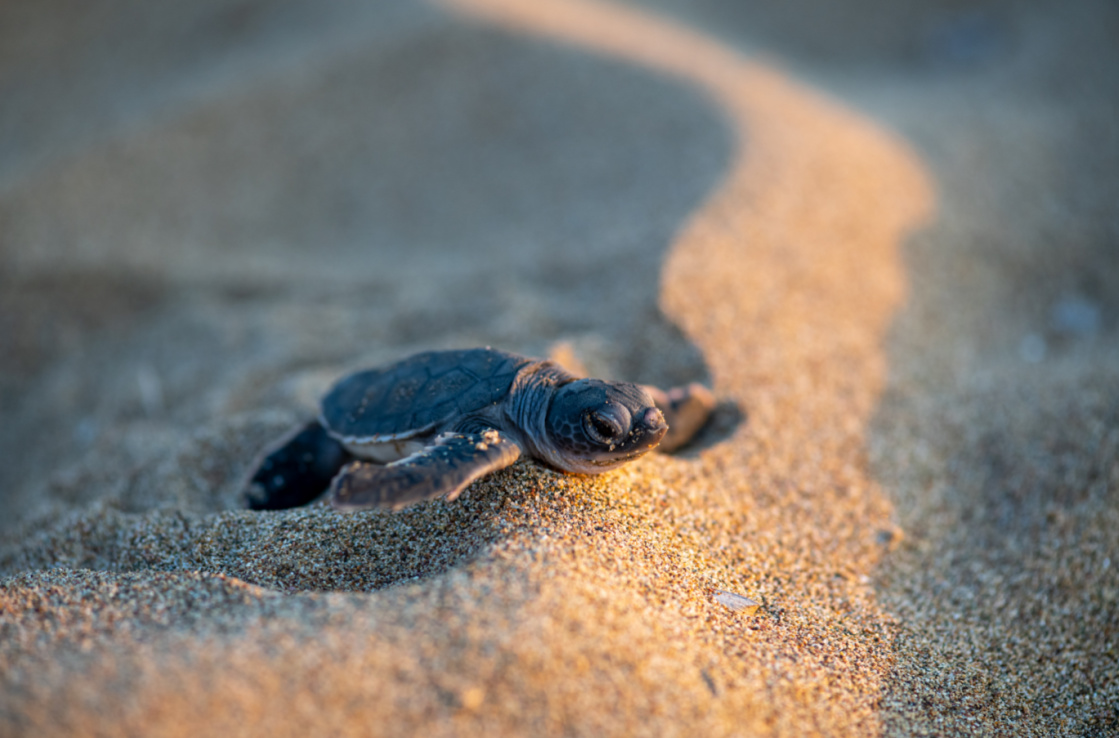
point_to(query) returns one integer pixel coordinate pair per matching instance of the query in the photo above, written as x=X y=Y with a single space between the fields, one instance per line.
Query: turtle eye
x=602 y=427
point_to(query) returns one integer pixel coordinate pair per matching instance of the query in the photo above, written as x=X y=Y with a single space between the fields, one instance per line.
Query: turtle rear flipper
x=443 y=469
x=295 y=470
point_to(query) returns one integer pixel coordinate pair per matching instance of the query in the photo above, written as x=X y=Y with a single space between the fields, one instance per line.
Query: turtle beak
x=653 y=425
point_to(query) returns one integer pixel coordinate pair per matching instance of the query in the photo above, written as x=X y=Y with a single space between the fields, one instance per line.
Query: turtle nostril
x=652 y=419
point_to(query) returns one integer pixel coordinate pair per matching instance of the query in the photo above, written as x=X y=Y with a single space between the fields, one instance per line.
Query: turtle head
x=593 y=426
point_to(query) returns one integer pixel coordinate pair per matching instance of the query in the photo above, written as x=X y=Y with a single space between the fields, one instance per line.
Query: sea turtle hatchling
x=429 y=425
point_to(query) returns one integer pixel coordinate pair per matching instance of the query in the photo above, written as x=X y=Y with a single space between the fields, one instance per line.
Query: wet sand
x=889 y=245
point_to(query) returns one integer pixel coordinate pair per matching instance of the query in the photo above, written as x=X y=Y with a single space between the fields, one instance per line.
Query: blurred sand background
x=886 y=233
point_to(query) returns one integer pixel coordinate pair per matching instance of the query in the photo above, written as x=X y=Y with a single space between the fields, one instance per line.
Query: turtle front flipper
x=686 y=409
x=443 y=469
x=295 y=470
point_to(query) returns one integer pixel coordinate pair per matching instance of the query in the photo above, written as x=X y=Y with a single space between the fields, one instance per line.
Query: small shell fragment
x=736 y=602
x=472 y=698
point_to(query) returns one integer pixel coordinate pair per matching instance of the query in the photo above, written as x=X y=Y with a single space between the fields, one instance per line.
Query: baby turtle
x=429 y=425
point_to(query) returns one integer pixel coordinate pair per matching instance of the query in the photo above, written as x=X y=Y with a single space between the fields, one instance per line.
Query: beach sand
x=884 y=233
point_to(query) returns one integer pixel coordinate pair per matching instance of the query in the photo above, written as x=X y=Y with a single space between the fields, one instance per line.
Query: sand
x=886 y=237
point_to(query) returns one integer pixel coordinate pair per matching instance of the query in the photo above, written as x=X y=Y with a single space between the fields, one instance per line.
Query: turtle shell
x=419 y=394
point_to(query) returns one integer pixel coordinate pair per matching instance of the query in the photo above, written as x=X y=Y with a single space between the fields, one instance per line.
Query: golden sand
x=925 y=509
